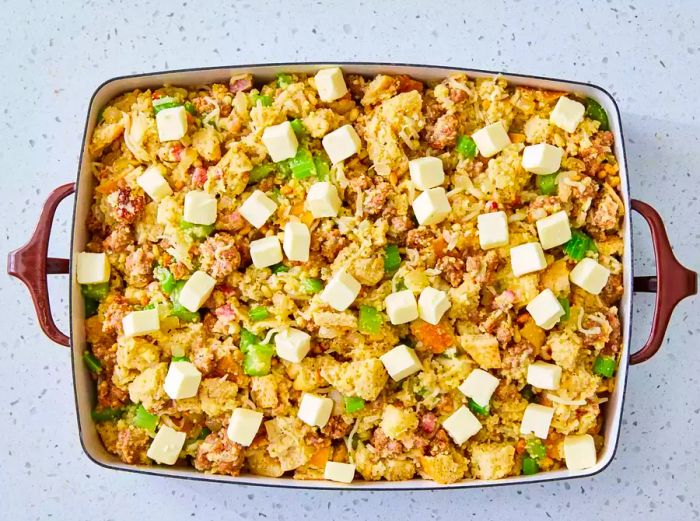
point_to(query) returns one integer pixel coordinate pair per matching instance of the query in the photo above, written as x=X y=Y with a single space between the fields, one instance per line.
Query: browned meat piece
x=108 y=394
x=115 y=307
x=376 y=198
x=179 y=270
x=95 y=226
x=612 y=292
x=230 y=220
x=202 y=105
x=594 y=156
x=399 y=225
x=240 y=83
x=219 y=455
x=118 y=239
x=542 y=206
x=483 y=266
x=132 y=445
x=385 y=445
x=518 y=355
x=614 y=342
x=203 y=358
x=444 y=133
x=139 y=267
x=457 y=95
x=406 y=84
x=328 y=244
x=420 y=238
x=604 y=213
x=452 y=269
x=429 y=423
x=440 y=443
x=504 y=333
x=129 y=206
x=336 y=428
x=218 y=255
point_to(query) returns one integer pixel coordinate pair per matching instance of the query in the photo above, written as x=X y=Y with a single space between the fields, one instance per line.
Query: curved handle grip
x=31 y=265
x=672 y=283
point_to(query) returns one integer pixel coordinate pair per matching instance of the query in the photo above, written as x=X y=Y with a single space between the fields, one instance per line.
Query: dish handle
x=673 y=282
x=31 y=265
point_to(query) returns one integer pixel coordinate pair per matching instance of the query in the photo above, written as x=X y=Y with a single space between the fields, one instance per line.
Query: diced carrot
x=520 y=446
x=516 y=137
x=320 y=457
x=436 y=338
x=107 y=187
x=439 y=246
x=297 y=209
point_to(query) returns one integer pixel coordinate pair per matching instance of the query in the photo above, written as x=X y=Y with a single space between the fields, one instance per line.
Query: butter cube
x=93 y=268
x=330 y=84
x=491 y=139
x=554 y=230
x=171 y=123
x=461 y=425
x=243 y=426
x=432 y=206
x=544 y=375
x=479 y=386
x=297 y=240
x=545 y=309
x=401 y=307
x=567 y=114
x=196 y=290
x=536 y=420
x=153 y=183
x=280 y=141
x=182 y=380
x=579 y=452
x=527 y=258
x=166 y=446
x=590 y=275
x=257 y=209
x=341 y=291
x=292 y=344
x=493 y=230
x=315 y=410
x=426 y=172
x=342 y=143
x=342 y=472
x=401 y=362
x=432 y=305
x=542 y=159
x=266 y=252
x=142 y=322
x=200 y=207
x=322 y=200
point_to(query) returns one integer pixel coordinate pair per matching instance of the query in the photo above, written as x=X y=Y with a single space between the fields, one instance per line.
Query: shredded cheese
x=348 y=439
x=565 y=401
x=579 y=323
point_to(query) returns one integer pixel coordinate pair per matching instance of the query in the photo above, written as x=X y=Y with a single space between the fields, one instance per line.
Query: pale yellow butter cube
x=432 y=206
x=432 y=305
x=166 y=446
x=341 y=291
x=292 y=345
x=322 y=200
x=182 y=380
x=479 y=386
x=527 y=258
x=200 y=207
x=426 y=172
x=266 y=252
x=257 y=209
x=153 y=183
x=461 y=425
x=93 y=268
x=196 y=290
x=171 y=123
x=297 y=240
x=341 y=472
x=545 y=309
x=142 y=322
x=536 y=420
x=491 y=139
x=315 y=410
x=401 y=307
x=243 y=426
x=493 y=230
x=579 y=452
x=542 y=159
x=554 y=230
x=330 y=84
x=590 y=275
x=400 y=362
x=544 y=375
x=280 y=141
x=342 y=143
x=567 y=114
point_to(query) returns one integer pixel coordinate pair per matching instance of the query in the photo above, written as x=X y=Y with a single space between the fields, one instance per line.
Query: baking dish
x=29 y=263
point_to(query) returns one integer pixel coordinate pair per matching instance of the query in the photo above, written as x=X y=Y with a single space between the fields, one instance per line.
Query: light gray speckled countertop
x=54 y=54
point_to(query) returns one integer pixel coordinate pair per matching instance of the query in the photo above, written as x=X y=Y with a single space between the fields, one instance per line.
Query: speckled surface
x=54 y=54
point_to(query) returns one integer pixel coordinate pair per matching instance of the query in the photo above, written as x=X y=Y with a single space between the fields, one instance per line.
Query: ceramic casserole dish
x=672 y=281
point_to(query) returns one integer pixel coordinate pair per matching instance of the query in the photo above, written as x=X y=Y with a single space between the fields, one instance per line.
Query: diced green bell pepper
x=530 y=466
x=479 y=409
x=258 y=360
x=392 y=258
x=353 y=404
x=95 y=291
x=370 y=320
x=604 y=366
x=579 y=244
x=144 y=419
x=92 y=363
x=196 y=231
x=595 y=111
x=166 y=279
x=179 y=310
x=258 y=313
x=547 y=184
x=311 y=285
x=536 y=449
x=466 y=146
x=106 y=414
